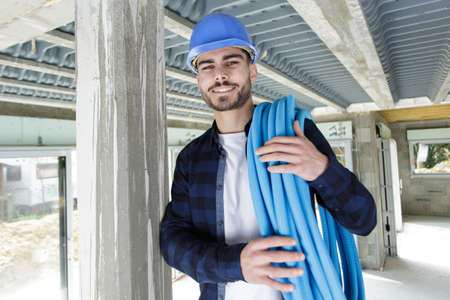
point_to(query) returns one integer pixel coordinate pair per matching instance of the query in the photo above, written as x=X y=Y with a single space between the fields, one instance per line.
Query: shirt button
x=219 y=187
x=220 y=298
x=320 y=186
x=220 y=223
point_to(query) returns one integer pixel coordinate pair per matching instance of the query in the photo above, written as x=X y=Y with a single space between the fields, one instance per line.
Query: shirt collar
x=215 y=130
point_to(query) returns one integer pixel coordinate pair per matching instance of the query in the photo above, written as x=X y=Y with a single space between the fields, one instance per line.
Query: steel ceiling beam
x=28 y=64
x=180 y=74
x=59 y=38
x=37 y=86
x=37 y=101
x=202 y=113
x=19 y=99
x=189 y=119
x=184 y=97
x=342 y=28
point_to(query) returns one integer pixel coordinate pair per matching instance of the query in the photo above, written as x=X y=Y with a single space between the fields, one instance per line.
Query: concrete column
x=122 y=148
x=371 y=247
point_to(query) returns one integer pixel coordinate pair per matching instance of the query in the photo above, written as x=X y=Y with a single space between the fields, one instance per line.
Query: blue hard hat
x=216 y=31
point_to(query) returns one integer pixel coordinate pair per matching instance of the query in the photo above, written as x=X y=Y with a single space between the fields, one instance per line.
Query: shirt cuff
x=328 y=181
x=232 y=267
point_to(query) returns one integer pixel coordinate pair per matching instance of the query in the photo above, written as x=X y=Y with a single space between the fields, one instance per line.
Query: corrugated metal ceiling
x=411 y=38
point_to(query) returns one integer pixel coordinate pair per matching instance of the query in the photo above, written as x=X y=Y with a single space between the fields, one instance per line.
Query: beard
x=224 y=103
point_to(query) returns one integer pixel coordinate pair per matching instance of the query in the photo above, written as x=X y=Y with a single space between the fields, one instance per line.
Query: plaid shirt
x=192 y=230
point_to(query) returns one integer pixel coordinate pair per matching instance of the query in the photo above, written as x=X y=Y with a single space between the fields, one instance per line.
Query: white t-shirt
x=239 y=215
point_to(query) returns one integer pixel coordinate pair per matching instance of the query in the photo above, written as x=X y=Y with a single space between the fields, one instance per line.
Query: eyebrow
x=206 y=61
x=234 y=55
x=210 y=61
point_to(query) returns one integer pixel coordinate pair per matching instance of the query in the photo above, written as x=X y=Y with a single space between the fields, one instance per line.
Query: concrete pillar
x=371 y=247
x=122 y=148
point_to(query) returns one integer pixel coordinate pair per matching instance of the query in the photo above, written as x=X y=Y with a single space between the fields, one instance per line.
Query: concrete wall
x=366 y=168
x=420 y=196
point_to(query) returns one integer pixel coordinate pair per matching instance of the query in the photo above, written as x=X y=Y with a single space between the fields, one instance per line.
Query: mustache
x=218 y=84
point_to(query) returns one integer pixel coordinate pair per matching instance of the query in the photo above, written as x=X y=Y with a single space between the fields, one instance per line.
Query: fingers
x=284 y=140
x=289 y=168
x=280 y=156
x=273 y=242
x=256 y=262
x=284 y=256
x=278 y=147
x=289 y=139
x=298 y=131
x=283 y=287
x=278 y=272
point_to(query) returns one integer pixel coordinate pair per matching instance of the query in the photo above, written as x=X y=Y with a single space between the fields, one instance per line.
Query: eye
x=208 y=67
x=232 y=62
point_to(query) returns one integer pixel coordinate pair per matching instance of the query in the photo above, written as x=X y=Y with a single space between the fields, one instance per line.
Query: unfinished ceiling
x=334 y=56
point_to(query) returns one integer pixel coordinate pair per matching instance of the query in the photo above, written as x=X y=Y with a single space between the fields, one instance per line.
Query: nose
x=220 y=75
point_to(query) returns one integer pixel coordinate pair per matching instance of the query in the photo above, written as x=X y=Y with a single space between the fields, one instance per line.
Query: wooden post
x=122 y=148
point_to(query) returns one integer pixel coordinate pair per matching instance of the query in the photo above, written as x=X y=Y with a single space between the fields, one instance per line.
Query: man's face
x=225 y=77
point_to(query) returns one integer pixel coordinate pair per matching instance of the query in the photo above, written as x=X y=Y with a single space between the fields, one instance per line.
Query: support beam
x=28 y=64
x=36 y=111
x=184 y=28
x=189 y=110
x=184 y=97
x=342 y=28
x=59 y=38
x=190 y=119
x=37 y=86
x=181 y=75
x=27 y=100
x=178 y=24
x=420 y=113
x=37 y=101
x=186 y=124
x=20 y=21
x=276 y=75
x=122 y=148
x=443 y=91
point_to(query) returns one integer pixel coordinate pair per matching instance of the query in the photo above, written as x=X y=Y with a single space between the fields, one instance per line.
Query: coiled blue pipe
x=283 y=207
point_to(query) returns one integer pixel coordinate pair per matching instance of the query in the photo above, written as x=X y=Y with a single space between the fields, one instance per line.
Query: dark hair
x=247 y=55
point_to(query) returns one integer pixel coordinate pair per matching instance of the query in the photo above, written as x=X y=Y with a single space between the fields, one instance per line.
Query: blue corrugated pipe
x=328 y=275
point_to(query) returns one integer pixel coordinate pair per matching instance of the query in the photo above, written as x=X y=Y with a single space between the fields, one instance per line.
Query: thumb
x=298 y=131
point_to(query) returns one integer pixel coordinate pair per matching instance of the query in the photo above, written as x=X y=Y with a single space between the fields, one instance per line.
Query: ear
x=253 y=73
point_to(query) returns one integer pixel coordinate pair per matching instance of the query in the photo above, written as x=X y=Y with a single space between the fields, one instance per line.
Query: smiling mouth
x=223 y=89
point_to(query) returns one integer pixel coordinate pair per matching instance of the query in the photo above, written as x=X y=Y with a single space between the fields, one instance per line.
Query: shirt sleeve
x=340 y=191
x=188 y=249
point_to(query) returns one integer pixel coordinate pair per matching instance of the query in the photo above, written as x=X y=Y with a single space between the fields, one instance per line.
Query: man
x=209 y=230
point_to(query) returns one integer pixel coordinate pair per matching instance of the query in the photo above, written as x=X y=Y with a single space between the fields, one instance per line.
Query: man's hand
x=256 y=259
x=302 y=157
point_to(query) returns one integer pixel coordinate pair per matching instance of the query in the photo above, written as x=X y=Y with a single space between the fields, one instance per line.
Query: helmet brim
x=196 y=51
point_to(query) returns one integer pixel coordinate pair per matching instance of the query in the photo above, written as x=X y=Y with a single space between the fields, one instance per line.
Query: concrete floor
x=420 y=272
x=422 y=268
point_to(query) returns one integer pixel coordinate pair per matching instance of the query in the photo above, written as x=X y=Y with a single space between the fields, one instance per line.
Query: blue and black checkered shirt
x=192 y=230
